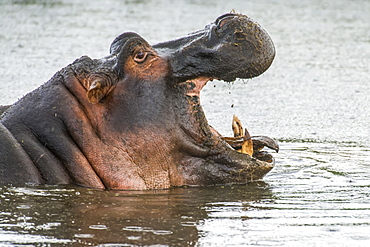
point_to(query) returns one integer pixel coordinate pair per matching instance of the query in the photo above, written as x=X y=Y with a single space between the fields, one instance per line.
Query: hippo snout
x=234 y=46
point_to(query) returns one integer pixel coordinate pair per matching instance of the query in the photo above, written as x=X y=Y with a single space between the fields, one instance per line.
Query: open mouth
x=232 y=47
x=242 y=141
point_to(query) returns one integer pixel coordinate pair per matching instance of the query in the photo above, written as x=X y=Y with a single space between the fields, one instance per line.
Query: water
x=314 y=100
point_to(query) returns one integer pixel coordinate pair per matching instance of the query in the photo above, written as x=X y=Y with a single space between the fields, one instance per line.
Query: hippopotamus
x=132 y=120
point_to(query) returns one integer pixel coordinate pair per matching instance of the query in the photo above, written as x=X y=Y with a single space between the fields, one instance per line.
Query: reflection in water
x=86 y=216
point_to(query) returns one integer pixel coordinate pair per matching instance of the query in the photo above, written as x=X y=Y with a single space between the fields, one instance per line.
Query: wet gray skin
x=133 y=119
x=232 y=47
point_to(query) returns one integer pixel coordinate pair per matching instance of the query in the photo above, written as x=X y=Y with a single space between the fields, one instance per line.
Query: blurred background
x=314 y=100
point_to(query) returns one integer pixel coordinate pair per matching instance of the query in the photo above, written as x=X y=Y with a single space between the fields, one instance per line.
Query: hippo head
x=143 y=103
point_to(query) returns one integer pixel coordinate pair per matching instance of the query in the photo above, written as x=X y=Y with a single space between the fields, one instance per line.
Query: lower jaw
x=245 y=144
x=194 y=87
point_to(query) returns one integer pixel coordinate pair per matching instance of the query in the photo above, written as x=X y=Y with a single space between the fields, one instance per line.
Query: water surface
x=314 y=100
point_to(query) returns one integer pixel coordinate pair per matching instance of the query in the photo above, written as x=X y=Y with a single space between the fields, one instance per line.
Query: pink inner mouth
x=196 y=85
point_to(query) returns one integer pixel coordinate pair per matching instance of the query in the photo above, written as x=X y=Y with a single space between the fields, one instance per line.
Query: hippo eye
x=140 y=56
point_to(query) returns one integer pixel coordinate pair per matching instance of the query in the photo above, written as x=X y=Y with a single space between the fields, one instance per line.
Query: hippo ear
x=96 y=92
x=120 y=41
x=100 y=86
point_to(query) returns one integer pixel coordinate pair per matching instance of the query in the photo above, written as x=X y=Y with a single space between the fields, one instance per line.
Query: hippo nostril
x=224 y=21
x=220 y=21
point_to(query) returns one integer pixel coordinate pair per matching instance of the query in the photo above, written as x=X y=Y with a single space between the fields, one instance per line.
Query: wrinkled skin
x=132 y=120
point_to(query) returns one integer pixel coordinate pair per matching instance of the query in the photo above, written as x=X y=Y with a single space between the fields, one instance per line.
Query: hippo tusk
x=247 y=146
x=239 y=131
x=237 y=127
x=241 y=136
x=251 y=145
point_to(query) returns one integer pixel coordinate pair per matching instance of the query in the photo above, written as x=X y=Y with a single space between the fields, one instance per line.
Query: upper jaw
x=247 y=48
